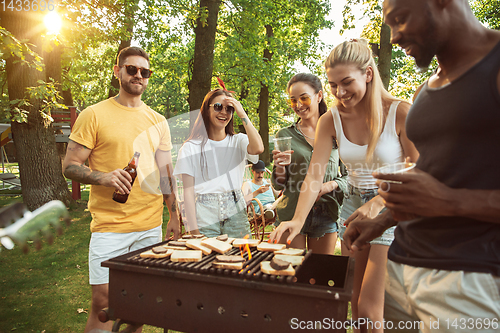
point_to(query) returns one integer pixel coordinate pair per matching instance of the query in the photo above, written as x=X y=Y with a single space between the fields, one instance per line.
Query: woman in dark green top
x=320 y=230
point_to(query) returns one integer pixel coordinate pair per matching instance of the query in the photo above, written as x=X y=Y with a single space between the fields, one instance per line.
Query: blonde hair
x=357 y=52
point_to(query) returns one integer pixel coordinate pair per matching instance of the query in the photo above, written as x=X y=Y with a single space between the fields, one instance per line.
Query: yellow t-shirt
x=114 y=132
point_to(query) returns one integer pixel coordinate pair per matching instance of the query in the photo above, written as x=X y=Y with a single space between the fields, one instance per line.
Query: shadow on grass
x=48 y=290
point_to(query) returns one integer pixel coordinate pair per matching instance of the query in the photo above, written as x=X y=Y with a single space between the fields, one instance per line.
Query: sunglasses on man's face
x=132 y=70
x=218 y=107
x=304 y=100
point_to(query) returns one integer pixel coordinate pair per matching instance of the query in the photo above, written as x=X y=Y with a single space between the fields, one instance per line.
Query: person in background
x=211 y=164
x=120 y=228
x=261 y=189
x=444 y=267
x=320 y=218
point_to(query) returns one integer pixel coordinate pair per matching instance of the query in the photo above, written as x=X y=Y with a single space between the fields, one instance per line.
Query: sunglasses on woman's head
x=132 y=70
x=218 y=107
x=304 y=100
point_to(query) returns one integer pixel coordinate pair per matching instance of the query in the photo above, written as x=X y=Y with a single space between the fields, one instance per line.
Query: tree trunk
x=125 y=42
x=385 y=55
x=264 y=104
x=203 y=59
x=115 y=84
x=39 y=164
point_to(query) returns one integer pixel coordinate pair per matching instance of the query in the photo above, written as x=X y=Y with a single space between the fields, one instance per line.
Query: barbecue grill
x=195 y=297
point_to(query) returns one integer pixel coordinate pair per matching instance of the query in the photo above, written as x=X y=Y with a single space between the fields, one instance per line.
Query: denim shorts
x=318 y=222
x=222 y=213
x=355 y=198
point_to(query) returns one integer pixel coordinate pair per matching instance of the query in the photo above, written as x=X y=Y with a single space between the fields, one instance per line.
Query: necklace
x=300 y=130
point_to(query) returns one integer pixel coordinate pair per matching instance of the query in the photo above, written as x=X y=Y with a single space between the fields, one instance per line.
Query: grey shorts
x=355 y=198
x=107 y=245
x=222 y=213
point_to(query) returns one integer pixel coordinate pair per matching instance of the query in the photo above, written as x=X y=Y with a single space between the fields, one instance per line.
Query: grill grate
x=195 y=297
x=251 y=268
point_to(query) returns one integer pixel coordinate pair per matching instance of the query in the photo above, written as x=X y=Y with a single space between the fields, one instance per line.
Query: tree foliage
x=243 y=38
x=488 y=12
x=405 y=77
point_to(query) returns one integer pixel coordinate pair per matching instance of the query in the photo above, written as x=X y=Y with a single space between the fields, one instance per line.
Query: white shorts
x=107 y=245
x=440 y=301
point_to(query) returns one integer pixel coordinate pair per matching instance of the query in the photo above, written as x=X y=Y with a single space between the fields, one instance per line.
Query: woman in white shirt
x=211 y=163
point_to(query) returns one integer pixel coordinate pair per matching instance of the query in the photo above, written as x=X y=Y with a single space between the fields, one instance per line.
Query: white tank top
x=388 y=151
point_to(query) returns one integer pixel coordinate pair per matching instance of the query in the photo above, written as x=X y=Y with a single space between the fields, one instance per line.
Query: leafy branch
x=10 y=46
x=48 y=95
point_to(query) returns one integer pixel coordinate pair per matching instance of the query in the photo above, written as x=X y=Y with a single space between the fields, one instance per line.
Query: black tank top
x=456 y=129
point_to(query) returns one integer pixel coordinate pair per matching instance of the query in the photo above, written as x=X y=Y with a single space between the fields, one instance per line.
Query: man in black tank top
x=444 y=265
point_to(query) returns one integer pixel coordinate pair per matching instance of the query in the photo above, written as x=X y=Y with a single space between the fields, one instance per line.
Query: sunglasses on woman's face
x=218 y=107
x=132 y=70
x=304 y=100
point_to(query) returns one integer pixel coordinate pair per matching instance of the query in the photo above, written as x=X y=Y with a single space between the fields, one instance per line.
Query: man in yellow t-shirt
x=108 y=134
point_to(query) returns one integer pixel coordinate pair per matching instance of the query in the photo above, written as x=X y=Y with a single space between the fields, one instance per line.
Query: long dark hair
x=201 y=127
x=314 y=82
x=202 y=124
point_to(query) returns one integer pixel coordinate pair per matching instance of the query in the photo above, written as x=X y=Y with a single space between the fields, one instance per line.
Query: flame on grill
x=246 y=248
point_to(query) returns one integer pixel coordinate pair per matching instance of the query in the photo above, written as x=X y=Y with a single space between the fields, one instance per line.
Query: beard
x=133 y=89
x=424 y=59
x=423 y=62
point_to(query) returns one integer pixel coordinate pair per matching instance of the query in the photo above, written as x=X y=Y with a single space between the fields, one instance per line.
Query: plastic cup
x=284 y=145
x=397 y=168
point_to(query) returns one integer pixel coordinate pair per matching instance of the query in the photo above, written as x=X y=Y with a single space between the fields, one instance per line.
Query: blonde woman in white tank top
x=369 y=126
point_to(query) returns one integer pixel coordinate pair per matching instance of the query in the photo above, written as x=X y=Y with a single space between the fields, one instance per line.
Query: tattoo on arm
x=83 y=174
x=77 y=147
x=245 y=120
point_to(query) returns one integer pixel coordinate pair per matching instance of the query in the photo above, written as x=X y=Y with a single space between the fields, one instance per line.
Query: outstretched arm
x=421 y=194
x=313 y=182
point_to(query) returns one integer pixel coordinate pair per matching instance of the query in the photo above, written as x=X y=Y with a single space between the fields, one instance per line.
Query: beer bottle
x=131 y=168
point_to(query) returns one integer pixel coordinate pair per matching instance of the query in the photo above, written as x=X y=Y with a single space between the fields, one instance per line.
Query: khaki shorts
x=435 y=300
x=107 y=245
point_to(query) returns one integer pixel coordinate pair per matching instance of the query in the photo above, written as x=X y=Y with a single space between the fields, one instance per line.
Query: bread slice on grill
x=227 y=265
x=243 y=241
x=266 y=268
x=186 y=256
x=216 y=245
x=151 y=254
x=222 y=238
x=268 y=247
x=228 y=261
x=195 y=244
x=180 y=248
x=290 y=252
x=294 y=260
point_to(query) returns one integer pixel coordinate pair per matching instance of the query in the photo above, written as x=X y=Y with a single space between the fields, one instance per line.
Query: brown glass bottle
x=131 y=168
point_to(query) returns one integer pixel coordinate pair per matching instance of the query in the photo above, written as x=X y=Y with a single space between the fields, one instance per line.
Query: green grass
x=42 y=291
